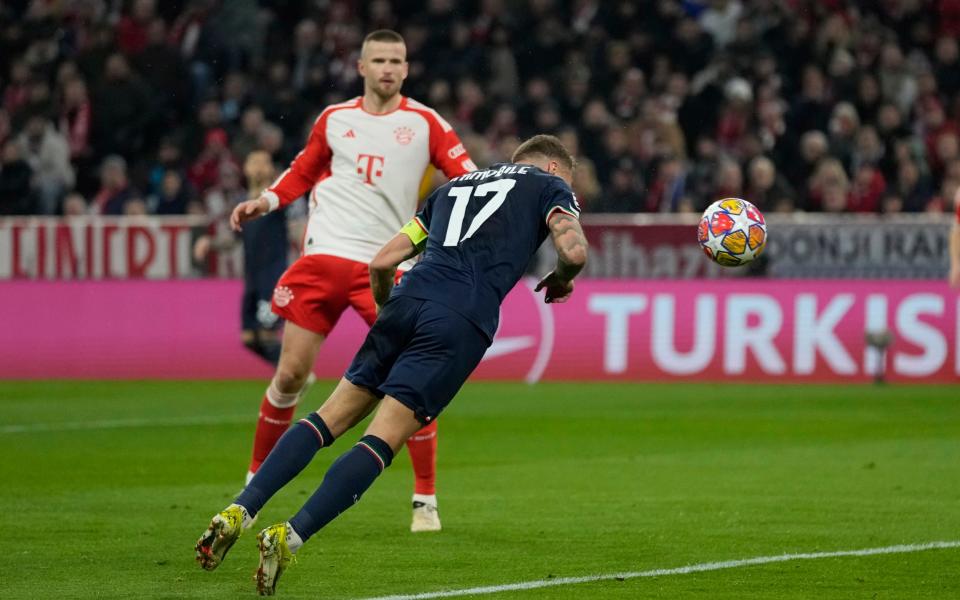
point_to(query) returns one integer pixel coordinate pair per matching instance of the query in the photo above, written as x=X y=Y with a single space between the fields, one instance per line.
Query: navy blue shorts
x=420 y=352
x=255 y=308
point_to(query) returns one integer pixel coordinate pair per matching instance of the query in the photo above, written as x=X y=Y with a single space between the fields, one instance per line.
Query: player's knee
x=290 y=378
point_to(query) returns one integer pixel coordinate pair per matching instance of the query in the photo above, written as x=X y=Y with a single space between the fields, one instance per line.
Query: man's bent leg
x=355 y=470
x=423 y=444
x=297 y=356
x=344 y=483
x=346 y=406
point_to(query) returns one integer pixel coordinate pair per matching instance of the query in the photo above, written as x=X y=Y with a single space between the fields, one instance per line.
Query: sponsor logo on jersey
x=282 y=295
x=404 y=135
x=369 y=166
x=456 y=151
x=350 y=134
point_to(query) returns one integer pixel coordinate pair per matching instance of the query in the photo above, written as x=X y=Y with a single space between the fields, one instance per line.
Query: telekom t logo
x=369 y=166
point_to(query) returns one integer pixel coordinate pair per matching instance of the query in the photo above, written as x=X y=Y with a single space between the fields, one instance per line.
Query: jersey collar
x=401 y=106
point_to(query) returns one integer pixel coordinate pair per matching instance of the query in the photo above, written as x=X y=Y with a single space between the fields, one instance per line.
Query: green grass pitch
x=106 y=486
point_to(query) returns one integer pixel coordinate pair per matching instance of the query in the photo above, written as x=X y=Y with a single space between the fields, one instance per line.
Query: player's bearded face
x=383 y=66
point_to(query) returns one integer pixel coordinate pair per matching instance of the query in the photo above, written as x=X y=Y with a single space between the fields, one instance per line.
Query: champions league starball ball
x=732 y=232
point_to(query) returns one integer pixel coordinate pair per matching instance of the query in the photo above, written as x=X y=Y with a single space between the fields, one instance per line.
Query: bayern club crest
x=282 y=295
x=404 y=135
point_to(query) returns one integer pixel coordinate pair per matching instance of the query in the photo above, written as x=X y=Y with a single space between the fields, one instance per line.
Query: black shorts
x=419 y=352
x=255 y=308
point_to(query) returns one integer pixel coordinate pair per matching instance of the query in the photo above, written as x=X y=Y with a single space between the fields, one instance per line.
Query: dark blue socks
x=346 y=480
x=294 y=451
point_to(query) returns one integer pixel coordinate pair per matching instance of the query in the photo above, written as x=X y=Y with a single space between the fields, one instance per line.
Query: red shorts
x=317 y=288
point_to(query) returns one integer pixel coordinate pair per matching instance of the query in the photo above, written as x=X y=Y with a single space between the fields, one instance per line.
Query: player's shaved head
x=387 y=36
x=545 y=148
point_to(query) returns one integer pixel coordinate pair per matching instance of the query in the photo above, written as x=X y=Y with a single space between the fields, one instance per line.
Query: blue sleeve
x=425 y=213
x=557 y=195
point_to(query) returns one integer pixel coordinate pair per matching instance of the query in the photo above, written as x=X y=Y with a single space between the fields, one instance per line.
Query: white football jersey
x=364 y=173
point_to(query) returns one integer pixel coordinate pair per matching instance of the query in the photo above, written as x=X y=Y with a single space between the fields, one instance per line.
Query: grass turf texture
x=535 y=482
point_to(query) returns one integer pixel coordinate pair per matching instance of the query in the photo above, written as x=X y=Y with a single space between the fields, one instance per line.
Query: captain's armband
x=417 y=233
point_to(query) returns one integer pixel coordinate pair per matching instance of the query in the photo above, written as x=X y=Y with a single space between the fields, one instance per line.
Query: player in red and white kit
x=954 y=276
x=364 y=164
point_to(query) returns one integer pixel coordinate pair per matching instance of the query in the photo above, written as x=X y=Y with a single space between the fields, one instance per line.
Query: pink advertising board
x=750 y=330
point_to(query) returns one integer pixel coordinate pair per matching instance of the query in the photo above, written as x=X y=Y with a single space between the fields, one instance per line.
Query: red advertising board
x=749 y=330
x=98 y=248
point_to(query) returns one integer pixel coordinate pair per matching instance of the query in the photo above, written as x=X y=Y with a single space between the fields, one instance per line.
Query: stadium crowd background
x=133 y=107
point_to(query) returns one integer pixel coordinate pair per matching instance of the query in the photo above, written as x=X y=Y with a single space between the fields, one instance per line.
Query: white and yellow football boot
x=275 y=557
x=224 y=531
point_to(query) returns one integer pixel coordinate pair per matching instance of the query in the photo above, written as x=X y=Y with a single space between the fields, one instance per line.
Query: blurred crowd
x=141 y=106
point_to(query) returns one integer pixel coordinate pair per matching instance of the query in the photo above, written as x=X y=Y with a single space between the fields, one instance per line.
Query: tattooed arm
x=571 y=247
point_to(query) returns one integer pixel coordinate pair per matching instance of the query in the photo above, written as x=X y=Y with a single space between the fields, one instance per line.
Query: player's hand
x=954 y=277
x=558 y=290
x=201 y=248
x=248 y=210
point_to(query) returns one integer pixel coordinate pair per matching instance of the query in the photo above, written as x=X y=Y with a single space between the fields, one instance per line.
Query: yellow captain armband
x=416 y=232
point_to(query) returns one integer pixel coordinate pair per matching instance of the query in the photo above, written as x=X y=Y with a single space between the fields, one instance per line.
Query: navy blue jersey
x=265 y=245
x=265 y=250
x=482 y=229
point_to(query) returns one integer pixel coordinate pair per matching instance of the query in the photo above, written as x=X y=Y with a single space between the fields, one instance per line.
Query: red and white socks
x=423 y=455
x=276 y=414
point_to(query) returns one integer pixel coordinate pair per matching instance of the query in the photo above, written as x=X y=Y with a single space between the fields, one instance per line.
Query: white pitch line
x=122 y=424
x=699 y=568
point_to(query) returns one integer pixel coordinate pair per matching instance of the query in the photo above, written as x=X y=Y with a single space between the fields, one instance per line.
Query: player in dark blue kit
x=265 y=251
x=478 y=233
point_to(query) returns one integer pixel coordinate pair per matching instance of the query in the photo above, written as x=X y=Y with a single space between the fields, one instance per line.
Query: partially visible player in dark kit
x=265 y=250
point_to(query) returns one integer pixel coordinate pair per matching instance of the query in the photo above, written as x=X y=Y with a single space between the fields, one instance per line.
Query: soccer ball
x=732 y=232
